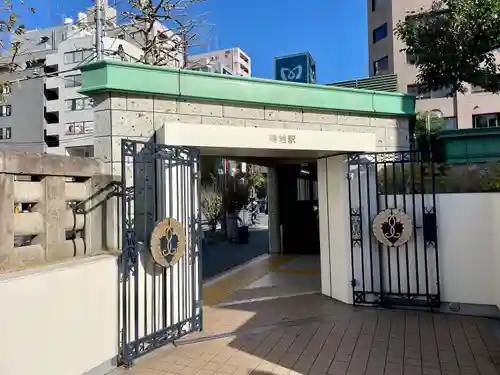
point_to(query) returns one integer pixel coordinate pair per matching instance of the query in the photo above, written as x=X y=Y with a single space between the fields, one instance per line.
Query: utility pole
x=184 y=49
x=99 y=28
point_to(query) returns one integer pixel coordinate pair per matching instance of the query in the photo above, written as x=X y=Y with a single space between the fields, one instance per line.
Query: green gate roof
x=179 y=83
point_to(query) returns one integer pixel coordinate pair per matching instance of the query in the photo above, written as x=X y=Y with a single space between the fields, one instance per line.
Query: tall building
x=234 y=59
x=43 y=111
x=474 y=109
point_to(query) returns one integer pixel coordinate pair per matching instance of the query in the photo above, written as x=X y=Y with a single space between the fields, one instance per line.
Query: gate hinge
x=353 y=283
x=348 y=176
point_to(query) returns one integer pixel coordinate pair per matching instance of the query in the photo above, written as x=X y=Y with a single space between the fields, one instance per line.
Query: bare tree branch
x=10 y=26
x=168 y=28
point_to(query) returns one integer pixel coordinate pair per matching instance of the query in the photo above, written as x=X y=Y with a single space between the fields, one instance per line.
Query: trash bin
x=243 y=234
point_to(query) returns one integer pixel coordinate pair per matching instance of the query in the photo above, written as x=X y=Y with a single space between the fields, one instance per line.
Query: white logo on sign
x=291 y=74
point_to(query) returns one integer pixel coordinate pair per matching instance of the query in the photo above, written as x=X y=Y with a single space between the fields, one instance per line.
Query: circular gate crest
x=392 y=227
x=168 y=242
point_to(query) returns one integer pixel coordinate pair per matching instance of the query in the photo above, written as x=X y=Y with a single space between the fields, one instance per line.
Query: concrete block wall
x=120 y=116
x=67 y=196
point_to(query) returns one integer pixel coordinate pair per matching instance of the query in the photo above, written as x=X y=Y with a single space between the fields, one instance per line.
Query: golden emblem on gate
x=392 y=227
x=168 y=242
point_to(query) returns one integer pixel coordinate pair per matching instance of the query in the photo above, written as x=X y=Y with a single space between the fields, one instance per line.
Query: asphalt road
x=223 y=256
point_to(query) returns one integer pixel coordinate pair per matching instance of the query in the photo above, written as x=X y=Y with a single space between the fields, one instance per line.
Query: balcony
x=52 y=59
x=52 y=106
x=52 y=82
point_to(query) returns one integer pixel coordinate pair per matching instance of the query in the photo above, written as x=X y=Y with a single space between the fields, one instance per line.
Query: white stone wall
x=131 y=116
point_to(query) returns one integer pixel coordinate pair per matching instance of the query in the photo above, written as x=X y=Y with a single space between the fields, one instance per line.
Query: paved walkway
x=313 y=334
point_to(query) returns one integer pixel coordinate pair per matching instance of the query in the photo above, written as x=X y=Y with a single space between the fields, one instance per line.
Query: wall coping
x=472 y=132
x=28 y=163
x=112 y=76
x=45 y=268
x=462 y=146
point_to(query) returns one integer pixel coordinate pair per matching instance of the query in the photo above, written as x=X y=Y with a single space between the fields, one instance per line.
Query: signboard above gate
x=300 y=68
x=263 y=139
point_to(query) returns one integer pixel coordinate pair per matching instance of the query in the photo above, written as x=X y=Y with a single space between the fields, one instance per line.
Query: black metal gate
x=160 y=281
x=394 y=248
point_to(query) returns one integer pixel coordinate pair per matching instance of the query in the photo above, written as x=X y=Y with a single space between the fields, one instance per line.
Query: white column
x=334 y=225
x=273 y=211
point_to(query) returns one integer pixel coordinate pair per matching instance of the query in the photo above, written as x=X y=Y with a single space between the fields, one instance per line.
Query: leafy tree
x=428 y=125
x=454 y=43
x=211 y=203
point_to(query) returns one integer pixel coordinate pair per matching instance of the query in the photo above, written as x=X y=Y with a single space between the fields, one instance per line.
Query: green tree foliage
x=454 y=43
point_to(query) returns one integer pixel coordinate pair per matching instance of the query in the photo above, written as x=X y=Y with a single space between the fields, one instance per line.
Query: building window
x=450 y=123
x=380 y=33
x=79 y=104
x=73 y=81
x=82 y=152
x=5 y=110
x=417 y=91
x=73 y=57
x=411 y=58
x=81 y=127
x=244 y=68
x=381 y=66
x=377 y=4
x=77 y=56
x=490 y=120
x=423 y=93
x=5 y=133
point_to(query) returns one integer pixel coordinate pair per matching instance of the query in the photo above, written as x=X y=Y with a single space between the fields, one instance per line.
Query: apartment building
x=206 y=64
x=234 y=59
x=22 y=105
x=43 y=111
x=474 y=109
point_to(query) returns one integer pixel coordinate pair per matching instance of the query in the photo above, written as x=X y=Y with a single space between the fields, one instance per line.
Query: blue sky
x=333 y=31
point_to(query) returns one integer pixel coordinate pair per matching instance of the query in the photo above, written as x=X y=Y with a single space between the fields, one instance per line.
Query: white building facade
x=235 y=59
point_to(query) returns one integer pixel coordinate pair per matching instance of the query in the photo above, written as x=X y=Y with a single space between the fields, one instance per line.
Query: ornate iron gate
x=394 y=247
x=160 y=281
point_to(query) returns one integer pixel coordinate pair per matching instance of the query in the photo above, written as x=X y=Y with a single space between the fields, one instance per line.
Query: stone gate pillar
x=334 y=227
x=273 y=211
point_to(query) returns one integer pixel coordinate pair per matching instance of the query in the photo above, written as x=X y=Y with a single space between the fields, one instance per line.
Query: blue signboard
x=295 y=68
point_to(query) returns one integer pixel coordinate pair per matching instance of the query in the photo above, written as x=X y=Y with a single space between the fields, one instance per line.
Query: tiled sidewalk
x=315 y=335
